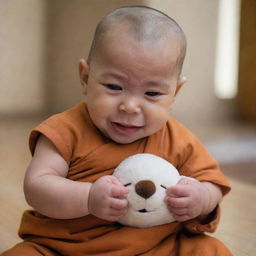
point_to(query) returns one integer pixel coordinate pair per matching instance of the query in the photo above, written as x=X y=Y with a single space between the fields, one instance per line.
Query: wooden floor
x=238 y=224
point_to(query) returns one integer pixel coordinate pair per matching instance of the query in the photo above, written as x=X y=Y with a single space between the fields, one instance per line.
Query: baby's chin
x=123 y=139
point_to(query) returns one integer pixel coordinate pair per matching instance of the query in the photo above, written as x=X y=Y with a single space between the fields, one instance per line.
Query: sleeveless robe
x=90 y=156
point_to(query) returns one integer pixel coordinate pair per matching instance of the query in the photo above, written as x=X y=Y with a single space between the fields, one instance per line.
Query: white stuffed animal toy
x=146 y=176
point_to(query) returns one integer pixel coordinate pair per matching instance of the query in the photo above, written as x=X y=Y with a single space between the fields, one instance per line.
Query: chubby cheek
x=100 y=111
x=158 y=116
x=157 y=124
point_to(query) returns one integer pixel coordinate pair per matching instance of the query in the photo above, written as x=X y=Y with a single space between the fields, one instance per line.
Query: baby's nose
x=130 y=105
x=145 y=188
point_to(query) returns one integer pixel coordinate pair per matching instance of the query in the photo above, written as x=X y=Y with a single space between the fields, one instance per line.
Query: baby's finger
x=180 y=202
x=118 y=204
x=178 y=211
x=178 y=190
x=181 y=218
x=115 y=181
x=118 y=191
x=118 y=213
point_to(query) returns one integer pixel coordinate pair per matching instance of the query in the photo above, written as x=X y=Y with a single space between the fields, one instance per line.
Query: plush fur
x=146 y=176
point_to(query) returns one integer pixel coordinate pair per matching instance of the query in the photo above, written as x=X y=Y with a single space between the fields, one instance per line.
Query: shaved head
x=145 y=25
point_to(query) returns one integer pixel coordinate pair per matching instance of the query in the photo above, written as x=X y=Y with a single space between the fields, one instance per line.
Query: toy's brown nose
x=145 y=188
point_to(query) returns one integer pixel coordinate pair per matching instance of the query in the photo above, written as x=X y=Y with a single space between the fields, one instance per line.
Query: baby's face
x=129 y=88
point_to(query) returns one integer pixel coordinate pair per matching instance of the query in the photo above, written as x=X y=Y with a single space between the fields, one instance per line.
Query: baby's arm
x=49 y=192
x=190 y=199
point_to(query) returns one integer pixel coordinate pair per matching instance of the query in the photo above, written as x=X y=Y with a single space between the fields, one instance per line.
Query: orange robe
x=90 y=156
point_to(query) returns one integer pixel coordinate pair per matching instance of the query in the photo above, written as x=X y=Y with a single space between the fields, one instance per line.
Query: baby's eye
x=113 y=87
x=163 y=186
x=127 y=184
x=153 y=94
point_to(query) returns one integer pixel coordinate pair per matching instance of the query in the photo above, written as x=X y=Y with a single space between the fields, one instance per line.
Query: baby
x=130 y=80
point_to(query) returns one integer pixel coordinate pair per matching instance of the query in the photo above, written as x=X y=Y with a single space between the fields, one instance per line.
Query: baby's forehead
x=121 y=40
x=142 y=25
x=122 y=36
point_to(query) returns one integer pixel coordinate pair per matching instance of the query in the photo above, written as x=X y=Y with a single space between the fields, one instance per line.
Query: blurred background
x=41 y=42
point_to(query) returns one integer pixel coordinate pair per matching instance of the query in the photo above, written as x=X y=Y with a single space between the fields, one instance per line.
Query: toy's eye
x=163 y=186
x=128 y=184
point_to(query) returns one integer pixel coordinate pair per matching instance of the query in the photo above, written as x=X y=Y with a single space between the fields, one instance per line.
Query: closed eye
x=128 y=184
x=113 y=87
x=163 y=186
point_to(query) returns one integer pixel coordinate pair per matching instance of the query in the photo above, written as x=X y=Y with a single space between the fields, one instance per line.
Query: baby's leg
x=28 y=249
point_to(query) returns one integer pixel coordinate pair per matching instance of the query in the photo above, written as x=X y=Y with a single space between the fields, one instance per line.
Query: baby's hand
x=106 y=199
x=187 y=200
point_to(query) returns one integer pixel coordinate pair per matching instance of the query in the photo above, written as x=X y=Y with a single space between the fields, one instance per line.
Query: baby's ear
x=83 y=73
x=181 y=81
